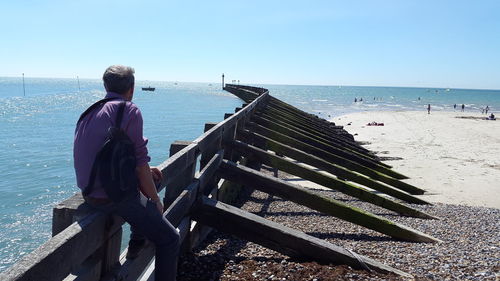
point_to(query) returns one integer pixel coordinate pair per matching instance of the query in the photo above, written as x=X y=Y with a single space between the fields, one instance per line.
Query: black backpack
x=115 y=163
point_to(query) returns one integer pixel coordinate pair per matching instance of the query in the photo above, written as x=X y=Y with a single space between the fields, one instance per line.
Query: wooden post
x=24 y=88
x=184 y=177
x=74 y=209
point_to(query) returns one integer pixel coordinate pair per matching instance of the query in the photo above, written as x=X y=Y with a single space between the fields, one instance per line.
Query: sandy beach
x=452 y=155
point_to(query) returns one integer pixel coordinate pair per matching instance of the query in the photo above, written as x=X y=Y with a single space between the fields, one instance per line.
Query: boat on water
x=148 y=89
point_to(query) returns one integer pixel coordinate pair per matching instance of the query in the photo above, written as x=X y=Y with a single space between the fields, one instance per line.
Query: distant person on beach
x=141 y=208
x=487 y=108
x=355 y=99
x=429 y=108
x=463 y=107
x=455 y=106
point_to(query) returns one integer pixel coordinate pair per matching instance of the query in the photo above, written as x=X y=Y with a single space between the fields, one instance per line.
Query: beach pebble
x=469 y=251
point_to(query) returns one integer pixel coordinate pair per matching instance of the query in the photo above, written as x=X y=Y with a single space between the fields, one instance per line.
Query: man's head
x=119 y=79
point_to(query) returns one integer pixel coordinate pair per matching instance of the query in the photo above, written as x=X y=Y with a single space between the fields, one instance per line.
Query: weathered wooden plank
x=179 y=161
x=312 y=120
x=207 y=153
x=111 y=251
x=178 y=180
x=335 y=159
x=69 y=211
x=209 y=136
x=130 y=270
x=339 y=171
x=326 y=180
x=90 y=270
x=311 y=132
x=181 y=206
x=332 y=147
x=206 y=175
x=74 y=209
x=280 y=238
x=350 y=155
x=67 y=249
x=298 y=194
x=246 y=94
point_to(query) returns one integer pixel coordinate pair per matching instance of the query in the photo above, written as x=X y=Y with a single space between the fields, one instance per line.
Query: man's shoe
x=134 y=248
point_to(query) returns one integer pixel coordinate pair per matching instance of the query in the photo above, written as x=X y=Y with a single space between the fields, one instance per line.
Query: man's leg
x=137 y=240
x=149 y=222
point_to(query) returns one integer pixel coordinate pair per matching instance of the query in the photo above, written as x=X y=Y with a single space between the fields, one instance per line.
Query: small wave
x=320 y=100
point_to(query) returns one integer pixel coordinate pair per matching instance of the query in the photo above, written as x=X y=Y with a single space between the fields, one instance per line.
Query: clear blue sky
x=393 y=43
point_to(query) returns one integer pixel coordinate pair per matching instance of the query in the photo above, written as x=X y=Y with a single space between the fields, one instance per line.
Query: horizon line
x=273 y=84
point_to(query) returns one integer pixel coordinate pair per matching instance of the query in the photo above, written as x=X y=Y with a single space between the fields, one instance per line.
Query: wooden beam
x=334 y=159
x=67 y=249
x=176 y=181
x=280 y=238
x=328 y=127
x=334 y=147
x=340 y=172
x=298 y=194
x=314 y=133
x=205 y=177
x=354 y=157
x=326 y=180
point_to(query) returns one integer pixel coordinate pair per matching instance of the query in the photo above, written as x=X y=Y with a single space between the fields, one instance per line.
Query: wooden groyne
x=264 y=131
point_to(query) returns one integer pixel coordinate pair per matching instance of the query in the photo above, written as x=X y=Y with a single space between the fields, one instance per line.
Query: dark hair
x=118 y=78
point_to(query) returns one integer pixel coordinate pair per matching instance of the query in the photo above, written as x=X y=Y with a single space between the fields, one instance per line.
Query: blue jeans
x=146 y=221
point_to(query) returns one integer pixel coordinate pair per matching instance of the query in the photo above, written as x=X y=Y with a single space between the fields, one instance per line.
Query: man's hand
x=157 y=175
x=159 y=206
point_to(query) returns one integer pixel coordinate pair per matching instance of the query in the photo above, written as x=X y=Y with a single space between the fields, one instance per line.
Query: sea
x=37 y=122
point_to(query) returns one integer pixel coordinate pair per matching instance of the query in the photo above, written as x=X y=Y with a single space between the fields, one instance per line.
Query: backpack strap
x=119 y=115
x=92 y=107
x=118 y=121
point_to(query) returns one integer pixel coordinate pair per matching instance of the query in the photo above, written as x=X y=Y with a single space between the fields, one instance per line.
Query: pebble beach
x=449 y=154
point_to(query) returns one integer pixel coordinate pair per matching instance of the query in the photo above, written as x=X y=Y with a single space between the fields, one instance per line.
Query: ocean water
x=36 y=168
x=339 y=100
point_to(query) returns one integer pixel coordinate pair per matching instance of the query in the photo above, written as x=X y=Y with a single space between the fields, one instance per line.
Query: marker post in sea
x=24 y=88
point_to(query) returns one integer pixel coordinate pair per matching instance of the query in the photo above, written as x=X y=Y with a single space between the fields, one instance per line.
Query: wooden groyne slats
x=333 y=149
x=332 y=158
x=332 y=140
x=281 y=238
x=302 y=196
x=326 y=180
x=339 y=171
x=86 y=244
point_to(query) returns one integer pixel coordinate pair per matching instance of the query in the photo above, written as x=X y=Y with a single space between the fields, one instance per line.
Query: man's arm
x=147 y=186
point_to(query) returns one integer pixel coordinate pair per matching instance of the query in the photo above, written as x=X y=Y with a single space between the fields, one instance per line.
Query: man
x=143 y=212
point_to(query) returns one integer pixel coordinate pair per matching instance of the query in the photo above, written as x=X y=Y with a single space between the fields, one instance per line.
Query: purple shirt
x=91 y=133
